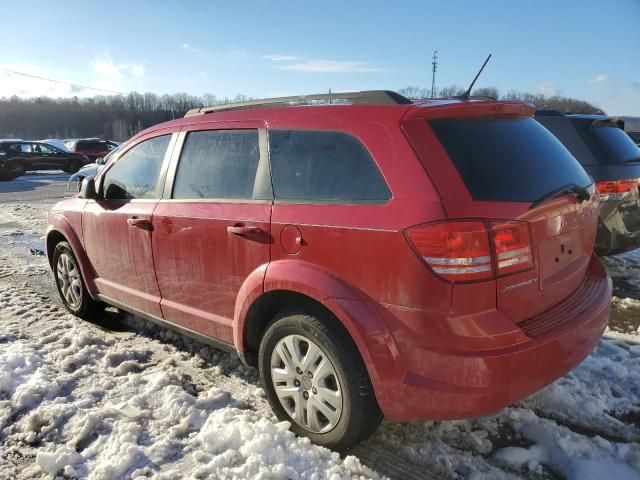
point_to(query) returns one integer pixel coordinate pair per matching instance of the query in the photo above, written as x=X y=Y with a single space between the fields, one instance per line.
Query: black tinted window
x=514 y=160
x=91 y=146
x=136 y=173
x=218 y=164
x=322 y=166
x=616 y=145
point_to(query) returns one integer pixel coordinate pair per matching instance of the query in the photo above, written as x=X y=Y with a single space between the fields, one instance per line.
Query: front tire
x=70 y=284
x=314 y=377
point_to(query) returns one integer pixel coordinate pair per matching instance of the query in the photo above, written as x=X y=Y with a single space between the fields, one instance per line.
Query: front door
x=213 y=229
x=118 y=229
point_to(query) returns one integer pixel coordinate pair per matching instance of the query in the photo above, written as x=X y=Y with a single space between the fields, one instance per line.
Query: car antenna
x=467 y=94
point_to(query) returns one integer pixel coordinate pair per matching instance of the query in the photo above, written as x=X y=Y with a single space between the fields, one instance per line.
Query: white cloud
x=203 y=74
x=191 y=48
x=548 y=89
x=301 y=64
x=105 y=67
x=328 y=66
x=282 y=58
x=601 y=79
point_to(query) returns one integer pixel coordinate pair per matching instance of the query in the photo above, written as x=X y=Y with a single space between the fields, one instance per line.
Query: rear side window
x=135 y=175
x=324 y=167
x=91 y=146
x=508 y=160
x=218 y=164
x=616 y=145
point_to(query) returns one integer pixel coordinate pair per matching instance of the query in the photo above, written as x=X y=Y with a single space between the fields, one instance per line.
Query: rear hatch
x=493 y=161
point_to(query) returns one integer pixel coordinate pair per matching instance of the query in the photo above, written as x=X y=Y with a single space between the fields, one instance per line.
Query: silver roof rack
x=368 y=97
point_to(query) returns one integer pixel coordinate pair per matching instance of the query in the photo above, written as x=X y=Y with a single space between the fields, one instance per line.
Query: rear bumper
x=618 y=227
x=452 y=384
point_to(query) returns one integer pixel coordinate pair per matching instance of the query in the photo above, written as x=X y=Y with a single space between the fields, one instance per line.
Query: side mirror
x=100 y=161
x=88 y=189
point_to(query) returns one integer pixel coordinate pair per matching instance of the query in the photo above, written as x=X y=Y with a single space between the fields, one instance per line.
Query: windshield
x=616 y=145
x=508 y=160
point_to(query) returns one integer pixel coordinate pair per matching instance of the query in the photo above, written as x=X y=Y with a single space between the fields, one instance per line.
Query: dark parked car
x=91 y=147
x=613 y=161
x=20 y=156
x=375 y=257
x=632 y=127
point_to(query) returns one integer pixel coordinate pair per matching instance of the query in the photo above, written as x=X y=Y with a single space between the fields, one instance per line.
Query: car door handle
x=244 y=230
x=140 y=223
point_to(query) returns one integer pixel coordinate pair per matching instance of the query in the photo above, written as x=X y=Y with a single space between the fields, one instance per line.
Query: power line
x=61 y=82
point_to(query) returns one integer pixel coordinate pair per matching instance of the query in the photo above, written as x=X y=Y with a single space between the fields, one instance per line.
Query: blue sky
x=584 y=48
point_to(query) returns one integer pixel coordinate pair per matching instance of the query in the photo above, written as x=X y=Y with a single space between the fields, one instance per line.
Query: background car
x=632 y=127
x=611 y=158
x=18 y=157
x=89 y=170
x=56 y=142
x=91 y=147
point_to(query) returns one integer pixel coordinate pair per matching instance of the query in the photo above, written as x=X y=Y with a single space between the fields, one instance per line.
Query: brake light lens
x=512 y=246
x=617 y=188
x=471 y=251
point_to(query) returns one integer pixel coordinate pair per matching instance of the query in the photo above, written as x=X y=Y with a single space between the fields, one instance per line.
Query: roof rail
x=367 y=97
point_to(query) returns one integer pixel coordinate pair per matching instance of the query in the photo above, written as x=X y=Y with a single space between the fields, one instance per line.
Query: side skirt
x=214 y=342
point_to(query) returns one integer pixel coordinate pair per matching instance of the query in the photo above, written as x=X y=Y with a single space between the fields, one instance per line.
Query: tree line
x=110 y=117
x=120 y=117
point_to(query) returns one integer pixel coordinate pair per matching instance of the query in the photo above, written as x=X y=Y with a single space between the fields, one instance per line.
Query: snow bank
x=87 y=407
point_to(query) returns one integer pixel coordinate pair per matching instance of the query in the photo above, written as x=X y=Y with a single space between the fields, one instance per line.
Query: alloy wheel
x=69 y=281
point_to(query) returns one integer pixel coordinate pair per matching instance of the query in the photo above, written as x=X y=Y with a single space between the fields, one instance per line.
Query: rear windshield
x=616 y=145
x=508 y=160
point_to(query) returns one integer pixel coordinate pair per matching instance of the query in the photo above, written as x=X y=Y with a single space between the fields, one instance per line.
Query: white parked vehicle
x=90 y=170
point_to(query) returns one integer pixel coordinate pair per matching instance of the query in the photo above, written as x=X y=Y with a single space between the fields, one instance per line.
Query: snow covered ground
x=119 y=397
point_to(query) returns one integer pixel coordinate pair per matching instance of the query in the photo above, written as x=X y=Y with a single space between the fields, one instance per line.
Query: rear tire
x=70 y=284
x=323 y=389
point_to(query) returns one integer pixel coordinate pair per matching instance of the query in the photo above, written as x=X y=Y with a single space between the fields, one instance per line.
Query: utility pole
x=434 y=64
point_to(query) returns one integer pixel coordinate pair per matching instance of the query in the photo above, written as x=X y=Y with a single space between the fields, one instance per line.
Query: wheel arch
x=309 y=288
x=61 y=231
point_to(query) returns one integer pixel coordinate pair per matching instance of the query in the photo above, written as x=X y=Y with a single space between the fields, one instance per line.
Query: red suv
x=372 y=256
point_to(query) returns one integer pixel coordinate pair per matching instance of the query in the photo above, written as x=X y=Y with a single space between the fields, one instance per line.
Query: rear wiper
x=581 y=193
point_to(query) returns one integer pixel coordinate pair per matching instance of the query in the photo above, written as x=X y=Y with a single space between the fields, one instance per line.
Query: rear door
x=497 y=167
x=117 y=227
x=212 y=229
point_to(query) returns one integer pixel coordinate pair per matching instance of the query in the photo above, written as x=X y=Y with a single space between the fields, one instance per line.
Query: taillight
x=512 y=246
x=466 y=251
x=617 y=187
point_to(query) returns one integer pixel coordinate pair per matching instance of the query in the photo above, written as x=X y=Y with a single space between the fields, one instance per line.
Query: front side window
x=218 y=164
x=135 y=175
x=323 y=167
